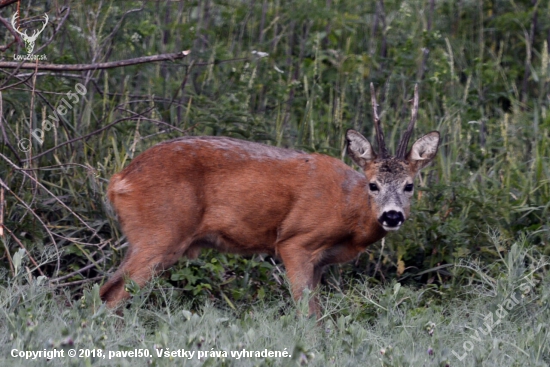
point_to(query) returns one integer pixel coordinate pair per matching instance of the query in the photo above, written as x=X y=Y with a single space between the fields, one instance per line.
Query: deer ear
x=423 y=151
x=359 y=149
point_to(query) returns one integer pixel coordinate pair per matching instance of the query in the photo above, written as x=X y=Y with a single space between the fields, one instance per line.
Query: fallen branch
x=97 y=66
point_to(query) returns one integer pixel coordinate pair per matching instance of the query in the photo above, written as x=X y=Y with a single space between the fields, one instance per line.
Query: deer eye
x=409 y=187
x=373 y=187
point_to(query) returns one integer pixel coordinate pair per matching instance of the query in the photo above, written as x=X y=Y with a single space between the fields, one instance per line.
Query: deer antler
x=404 y=142
x=36 y=33
x=15 y=27
x=382 y=151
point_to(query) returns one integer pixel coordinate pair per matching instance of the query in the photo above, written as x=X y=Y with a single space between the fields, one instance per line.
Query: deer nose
x=391 y=219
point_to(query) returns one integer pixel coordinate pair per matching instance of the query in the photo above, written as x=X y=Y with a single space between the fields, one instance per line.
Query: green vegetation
x=479 y=227
x=367 y=325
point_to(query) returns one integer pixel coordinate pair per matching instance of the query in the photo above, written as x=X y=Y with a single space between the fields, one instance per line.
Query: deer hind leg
x=157 y=238
x=133 y=267
x=139 y=266
x=302 y=273
x=314 y=308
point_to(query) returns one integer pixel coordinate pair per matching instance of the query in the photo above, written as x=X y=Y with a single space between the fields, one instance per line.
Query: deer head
x=391 y=177
x=29 y=40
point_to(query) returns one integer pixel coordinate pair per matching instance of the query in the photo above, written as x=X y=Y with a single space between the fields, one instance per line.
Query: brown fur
x=310 y=210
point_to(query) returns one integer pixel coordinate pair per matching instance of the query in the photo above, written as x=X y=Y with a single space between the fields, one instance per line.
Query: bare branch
x=1 y=211
x=57 y=29
x=14 y=237
x=89 y=266
x=12 y=31
x=97 y=66
x=81 y=137
x=4 y=134
x=76 y=282
x=4 y=3
x=30 y=210
x=404 y=142
x=382 y=151
x=17 y=83
x=38 y=183
x=119 y=23
x=141 y=116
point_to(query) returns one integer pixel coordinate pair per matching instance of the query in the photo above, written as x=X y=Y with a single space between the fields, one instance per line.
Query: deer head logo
x=29 y=40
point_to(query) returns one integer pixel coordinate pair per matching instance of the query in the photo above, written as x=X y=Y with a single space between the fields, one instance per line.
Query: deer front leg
x=302 y=273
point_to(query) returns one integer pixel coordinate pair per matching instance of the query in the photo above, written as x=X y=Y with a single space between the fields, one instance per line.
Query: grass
x=479 y=224
x=390 y=325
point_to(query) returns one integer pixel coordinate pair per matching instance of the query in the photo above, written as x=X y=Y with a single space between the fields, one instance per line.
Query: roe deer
x=309 y=210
